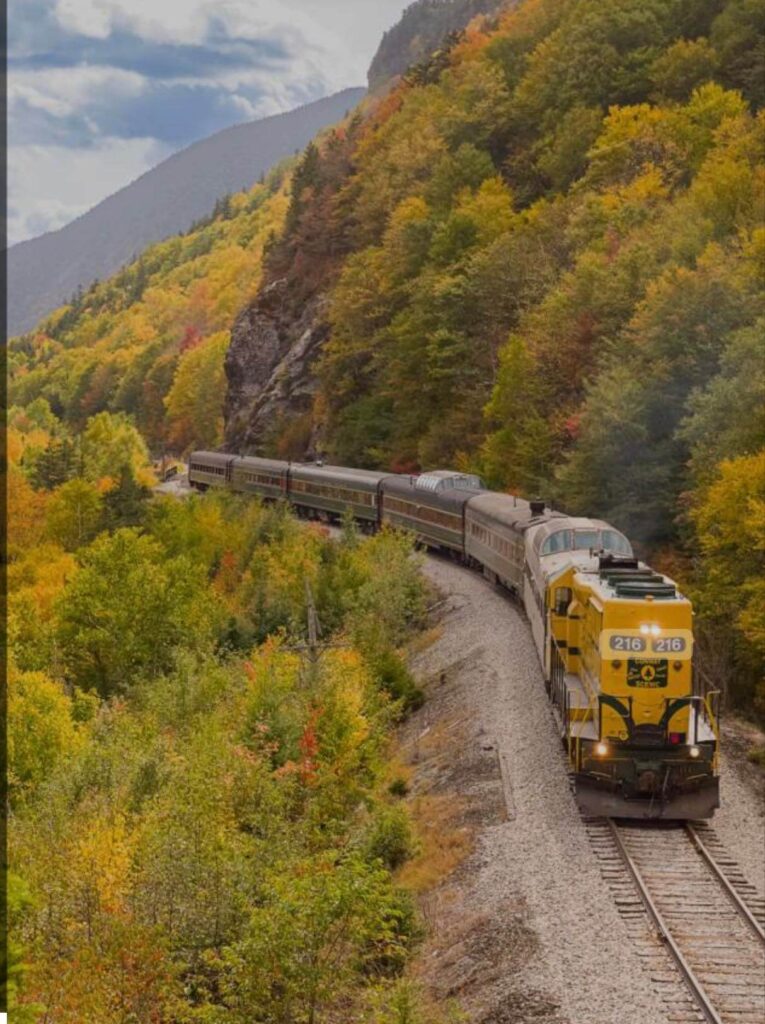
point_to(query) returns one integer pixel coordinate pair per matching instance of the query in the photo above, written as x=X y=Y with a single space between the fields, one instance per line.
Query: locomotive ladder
x=696 y=923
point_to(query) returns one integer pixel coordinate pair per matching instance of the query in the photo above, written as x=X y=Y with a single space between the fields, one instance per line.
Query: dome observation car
x=445 y=479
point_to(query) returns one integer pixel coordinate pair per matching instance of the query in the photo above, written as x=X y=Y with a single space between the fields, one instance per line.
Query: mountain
x=422 y=28
x=45 y=272
x=475 y=257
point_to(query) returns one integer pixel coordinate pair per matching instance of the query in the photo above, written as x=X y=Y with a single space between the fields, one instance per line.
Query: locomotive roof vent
x=537 y=507
x=619 y=563
x=645 y=589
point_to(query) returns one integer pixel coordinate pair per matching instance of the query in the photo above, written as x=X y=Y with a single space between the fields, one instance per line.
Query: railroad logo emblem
x=646 y=674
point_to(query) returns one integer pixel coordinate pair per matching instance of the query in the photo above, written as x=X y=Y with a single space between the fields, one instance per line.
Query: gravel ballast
x=740 y=820
x=533 y=875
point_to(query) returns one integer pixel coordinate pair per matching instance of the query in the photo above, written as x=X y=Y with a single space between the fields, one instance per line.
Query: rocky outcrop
x=423 y=28
x=271 y=375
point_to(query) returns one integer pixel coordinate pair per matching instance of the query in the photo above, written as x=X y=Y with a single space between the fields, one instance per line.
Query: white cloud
x=182 y=21
x=51 y=185
x=65 y=91
x=346 y=30
x=325 y=46
x=88 y=17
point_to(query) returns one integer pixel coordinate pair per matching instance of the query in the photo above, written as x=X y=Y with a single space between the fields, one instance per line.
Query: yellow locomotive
x=620 y=672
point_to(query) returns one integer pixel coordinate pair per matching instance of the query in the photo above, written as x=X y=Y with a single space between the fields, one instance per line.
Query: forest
x=540 y=255
x=150 y=342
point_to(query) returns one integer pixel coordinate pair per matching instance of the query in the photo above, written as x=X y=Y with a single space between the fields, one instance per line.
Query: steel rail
x=734 y=897
x=697 y=991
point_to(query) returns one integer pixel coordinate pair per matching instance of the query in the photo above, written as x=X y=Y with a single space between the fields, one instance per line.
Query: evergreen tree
x=125 y=504
x=55 y=465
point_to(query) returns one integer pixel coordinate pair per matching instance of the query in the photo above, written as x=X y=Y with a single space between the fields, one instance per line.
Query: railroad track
x=696 y=923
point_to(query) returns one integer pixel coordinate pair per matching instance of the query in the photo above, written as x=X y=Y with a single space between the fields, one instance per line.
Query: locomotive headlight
x=650 y=630
x=645 y=630
x=694 y=751
x=655 y=631
x=601 y=749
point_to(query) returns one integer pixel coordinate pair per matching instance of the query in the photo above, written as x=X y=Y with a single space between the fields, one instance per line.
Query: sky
x=99 y=91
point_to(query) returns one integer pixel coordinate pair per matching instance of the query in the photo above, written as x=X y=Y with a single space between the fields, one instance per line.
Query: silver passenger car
x=432 y=505
x=210 y=469
x=264 y=477
x=495 y=525
x=335 y=489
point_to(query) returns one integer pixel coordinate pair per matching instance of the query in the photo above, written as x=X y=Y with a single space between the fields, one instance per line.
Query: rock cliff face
x=421 y=30
x=271 y=379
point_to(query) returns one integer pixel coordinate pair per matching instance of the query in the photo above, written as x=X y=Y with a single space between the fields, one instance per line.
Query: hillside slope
x=539 y=257
x=150 y=341
x=46 y=271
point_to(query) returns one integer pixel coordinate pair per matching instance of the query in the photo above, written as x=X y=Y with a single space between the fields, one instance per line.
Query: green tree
x=563 y=153
x=727 y=419
x=625 y=465
x=38 y=414
x=467 y=167
x=75 y=514
x=633 y=409
x=125 y=504
x=55 y=465
x=109 y=442
x=310 y=939
x=16 y=967
x=738 y=36
x=128 y=609
x=682 y=67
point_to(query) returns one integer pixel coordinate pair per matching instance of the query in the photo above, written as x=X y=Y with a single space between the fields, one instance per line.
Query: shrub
x=396 y=679
x=390 y=839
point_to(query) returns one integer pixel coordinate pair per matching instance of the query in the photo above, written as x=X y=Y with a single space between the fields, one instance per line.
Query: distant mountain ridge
x=44 y=272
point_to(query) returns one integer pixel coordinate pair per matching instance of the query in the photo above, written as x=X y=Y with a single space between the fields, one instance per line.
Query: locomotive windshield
x=586 y=540
x=615 y=542
x=560 y=541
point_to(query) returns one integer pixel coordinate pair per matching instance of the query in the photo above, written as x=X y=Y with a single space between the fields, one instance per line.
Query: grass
x=443 y=844
x=422 y=641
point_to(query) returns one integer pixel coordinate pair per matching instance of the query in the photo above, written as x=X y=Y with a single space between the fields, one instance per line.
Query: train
x=614 y=638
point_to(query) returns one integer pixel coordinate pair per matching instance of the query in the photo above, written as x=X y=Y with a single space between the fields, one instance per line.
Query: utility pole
x=314 y=626
x=313 y=648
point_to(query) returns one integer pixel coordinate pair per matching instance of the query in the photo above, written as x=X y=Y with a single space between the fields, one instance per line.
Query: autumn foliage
x=197 y=798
